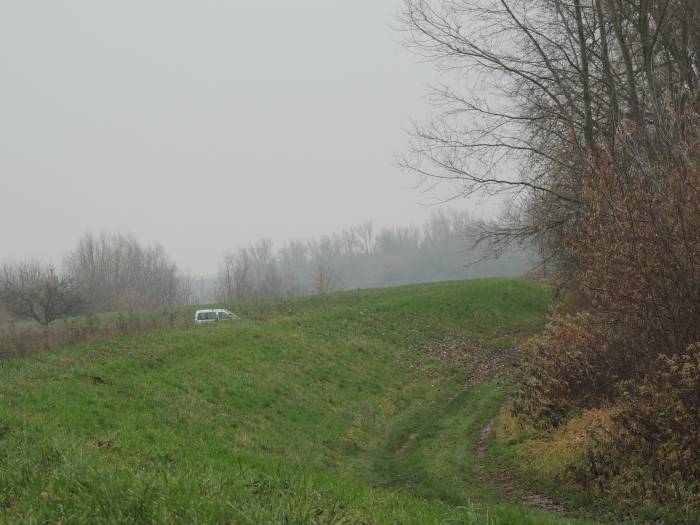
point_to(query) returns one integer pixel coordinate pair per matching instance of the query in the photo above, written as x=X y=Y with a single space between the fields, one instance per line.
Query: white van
x=214 y=315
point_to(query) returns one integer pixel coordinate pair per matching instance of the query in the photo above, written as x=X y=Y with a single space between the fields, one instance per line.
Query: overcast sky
x=202 y=125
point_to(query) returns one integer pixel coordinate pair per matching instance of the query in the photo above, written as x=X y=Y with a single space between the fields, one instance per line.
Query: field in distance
x=353 y=407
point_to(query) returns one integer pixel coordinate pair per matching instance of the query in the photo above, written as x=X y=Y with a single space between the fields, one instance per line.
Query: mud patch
x=406 y=442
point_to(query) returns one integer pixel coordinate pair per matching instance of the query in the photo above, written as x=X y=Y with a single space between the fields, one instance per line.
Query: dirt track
x=503 y=482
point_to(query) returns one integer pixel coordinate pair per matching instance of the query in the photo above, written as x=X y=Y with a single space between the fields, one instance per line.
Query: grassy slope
x=302 y=413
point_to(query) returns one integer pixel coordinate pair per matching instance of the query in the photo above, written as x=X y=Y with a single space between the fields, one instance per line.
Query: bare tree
x=116 y=272
x=293 y=261
x=326 y=278
x=250 y=273
x=351 y=241
x=31 y=290
x=235 y=280
x=537 y=89
x=266 y=276
x=365 y=236
x=185 y=291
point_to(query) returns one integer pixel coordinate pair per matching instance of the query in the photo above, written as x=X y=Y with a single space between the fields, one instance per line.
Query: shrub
x=16 y=342
x=638 y=345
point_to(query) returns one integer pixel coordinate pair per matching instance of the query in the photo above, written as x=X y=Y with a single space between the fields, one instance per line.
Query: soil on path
x=485 y=365
x=494 y=364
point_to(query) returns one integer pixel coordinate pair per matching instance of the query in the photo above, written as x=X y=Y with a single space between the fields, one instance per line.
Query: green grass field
x=339 y=408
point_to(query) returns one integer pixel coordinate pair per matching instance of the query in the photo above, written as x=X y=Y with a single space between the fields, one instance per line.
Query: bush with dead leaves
x=638 y=346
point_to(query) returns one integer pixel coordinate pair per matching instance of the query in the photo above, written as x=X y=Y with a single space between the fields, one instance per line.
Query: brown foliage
x=638 y=348
x=640 y=253
x=652 y=449
x=574 y=366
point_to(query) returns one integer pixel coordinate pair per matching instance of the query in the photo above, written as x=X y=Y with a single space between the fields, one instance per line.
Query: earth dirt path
x=503 y=482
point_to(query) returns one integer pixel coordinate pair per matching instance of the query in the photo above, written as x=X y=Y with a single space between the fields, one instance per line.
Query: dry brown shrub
x=572 y=367
x=20 y=342
x=638 y=346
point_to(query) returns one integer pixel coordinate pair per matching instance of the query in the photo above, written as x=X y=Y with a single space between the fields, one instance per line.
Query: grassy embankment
x=349 y=408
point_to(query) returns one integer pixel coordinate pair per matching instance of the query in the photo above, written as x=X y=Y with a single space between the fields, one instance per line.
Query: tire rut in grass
x=485 y=365
x=504 y=483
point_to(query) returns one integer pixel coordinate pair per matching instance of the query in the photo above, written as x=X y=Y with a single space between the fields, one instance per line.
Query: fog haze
x=203 y=125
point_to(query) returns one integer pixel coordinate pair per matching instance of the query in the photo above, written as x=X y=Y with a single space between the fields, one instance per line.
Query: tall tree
x=116 y=272
x=537 y=89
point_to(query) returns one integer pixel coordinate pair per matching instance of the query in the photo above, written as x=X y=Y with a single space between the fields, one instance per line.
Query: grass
x=325 y=409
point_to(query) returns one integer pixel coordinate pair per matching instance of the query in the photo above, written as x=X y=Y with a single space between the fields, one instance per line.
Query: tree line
x=444 y=248
x=114 y=272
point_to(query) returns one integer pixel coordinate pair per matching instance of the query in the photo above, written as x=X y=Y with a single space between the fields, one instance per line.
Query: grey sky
x=202 y=124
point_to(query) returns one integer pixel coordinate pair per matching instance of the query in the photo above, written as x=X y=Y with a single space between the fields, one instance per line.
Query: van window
x=206 y=316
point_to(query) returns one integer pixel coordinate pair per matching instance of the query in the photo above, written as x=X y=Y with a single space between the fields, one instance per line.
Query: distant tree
x=31 y=290
x=326 y=279
x=365 y=234
x=351 y=242
x=235 y=279
x=5 y=316
x=293 y=262
x=115 y=272
x=185 y=291
x=360 y=257
x=267 y=281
